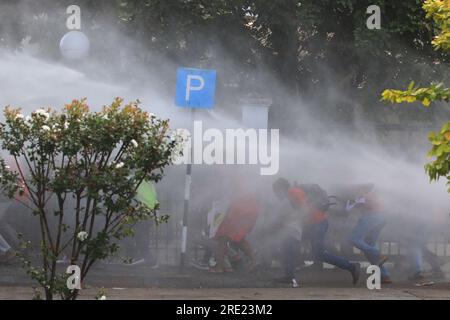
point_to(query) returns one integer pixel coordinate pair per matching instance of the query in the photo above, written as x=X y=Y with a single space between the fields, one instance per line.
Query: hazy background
x=325 y=90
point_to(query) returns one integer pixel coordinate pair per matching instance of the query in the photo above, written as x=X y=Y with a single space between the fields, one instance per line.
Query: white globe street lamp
x=74 y=45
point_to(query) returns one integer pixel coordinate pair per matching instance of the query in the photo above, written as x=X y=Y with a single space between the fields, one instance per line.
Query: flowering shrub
x=82 y=169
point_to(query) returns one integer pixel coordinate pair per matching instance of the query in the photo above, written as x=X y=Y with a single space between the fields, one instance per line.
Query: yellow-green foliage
x=439 y=12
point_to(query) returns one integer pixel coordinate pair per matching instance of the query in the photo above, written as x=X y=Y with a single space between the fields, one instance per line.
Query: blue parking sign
x=195 y=88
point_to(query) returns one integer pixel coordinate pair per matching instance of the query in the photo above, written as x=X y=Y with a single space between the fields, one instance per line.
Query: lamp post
x=255 y=111
x=74 y=45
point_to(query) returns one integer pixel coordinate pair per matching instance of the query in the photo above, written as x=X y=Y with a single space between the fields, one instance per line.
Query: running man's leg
x=221 y=252
x=289 y=249
x=416 y=256
x=244 y=245
x=372 y=238
x=378 y=223
x=358 y=236
x=318 y=232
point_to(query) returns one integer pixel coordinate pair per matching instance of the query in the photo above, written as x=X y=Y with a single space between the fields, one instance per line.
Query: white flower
x=105 y=116
x=82 y=235
x=45 y=128
x=180 y=135
x=18 y=116
x=103 y=297
x=7 y=167
x=152 y=115
x=134 y=143
x=120 y=165
x=43 y=113
x=28 y=119
x=66 y=125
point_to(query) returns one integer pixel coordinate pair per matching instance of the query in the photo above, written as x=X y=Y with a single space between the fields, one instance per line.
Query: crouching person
x=239 y=221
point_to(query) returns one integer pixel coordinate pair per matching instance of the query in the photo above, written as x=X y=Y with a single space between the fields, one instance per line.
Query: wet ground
x=140 y=282
x=303 y=293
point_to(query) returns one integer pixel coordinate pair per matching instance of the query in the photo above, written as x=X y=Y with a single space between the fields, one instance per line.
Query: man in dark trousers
x=315 y=226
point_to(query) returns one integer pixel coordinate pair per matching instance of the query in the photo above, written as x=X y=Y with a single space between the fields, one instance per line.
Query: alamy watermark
x=74 y=280
x=73 y=21
x=374 y=20
x=232 y=146
x=374 y=280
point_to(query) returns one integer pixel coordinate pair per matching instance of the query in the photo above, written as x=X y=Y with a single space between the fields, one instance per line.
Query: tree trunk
x=48 y=294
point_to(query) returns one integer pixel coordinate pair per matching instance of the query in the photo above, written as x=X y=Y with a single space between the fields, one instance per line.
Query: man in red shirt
x=239 y=221
x=315 y=226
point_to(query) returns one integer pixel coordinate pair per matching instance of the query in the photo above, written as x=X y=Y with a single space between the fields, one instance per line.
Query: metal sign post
x=187 y=197
x=195 y=89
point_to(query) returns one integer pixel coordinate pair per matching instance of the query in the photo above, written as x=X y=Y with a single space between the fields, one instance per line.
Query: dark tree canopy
x=314 y=48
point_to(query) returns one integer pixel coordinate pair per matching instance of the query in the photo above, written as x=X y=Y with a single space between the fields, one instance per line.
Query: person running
x=365 y=234
x=239 y=220
x=315 y=226
x=417 y=238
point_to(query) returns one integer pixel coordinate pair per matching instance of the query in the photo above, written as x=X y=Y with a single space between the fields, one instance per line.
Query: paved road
x=167 y=283
x=247 y=293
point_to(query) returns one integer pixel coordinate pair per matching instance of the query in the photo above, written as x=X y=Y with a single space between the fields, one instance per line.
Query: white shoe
x=136 y=263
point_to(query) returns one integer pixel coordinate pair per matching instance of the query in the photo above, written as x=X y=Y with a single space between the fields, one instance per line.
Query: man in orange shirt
x=239 y=221
x=315 y=226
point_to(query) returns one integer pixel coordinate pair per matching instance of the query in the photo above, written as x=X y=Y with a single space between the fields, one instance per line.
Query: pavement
x=302 y=293
x=140 y=282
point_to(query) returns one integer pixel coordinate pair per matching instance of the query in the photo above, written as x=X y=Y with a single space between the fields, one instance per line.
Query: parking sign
x=195 y=88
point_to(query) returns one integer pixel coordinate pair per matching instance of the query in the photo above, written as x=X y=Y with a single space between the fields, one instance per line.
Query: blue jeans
x=419 y=252
x=316 y=234
x=416 y=252
x=364 y=236
x=289 y=252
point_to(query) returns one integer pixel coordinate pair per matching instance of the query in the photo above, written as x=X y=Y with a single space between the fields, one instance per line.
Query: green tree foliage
x=311 y=47
x=439 y=12
x=78 y=172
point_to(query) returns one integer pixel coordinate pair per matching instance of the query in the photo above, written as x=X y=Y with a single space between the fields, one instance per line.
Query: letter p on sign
x=195 y=88
x=190 y=87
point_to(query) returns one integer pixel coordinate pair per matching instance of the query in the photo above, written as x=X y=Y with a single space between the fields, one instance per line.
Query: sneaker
x=424 y=284
x=355 y=273
x=199 y=265
x=136 y=263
